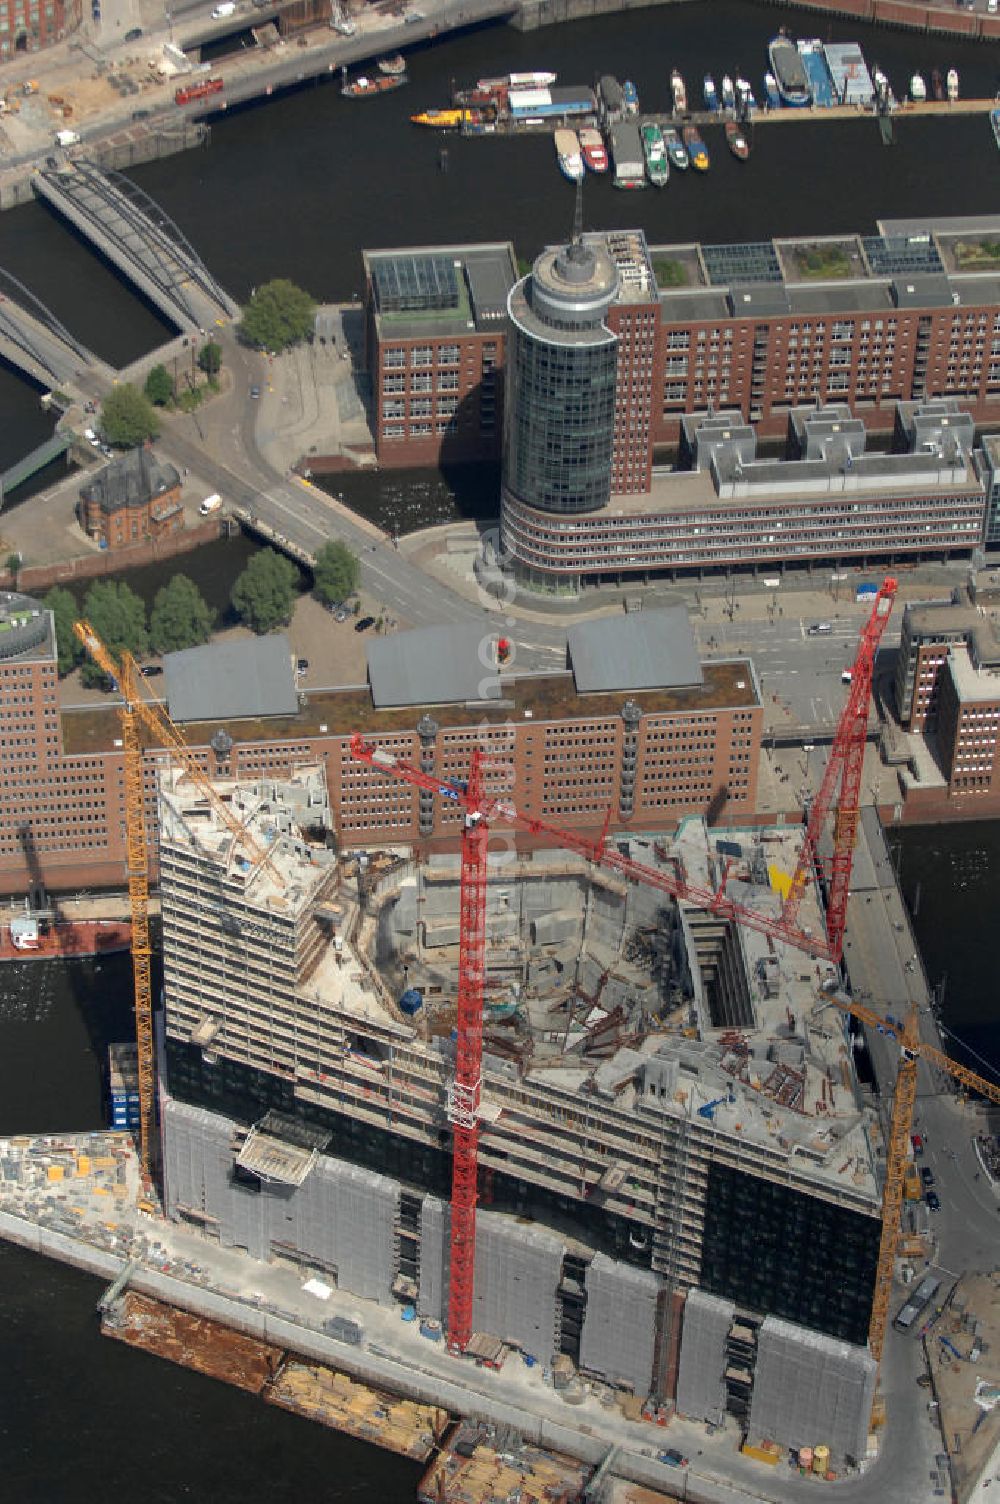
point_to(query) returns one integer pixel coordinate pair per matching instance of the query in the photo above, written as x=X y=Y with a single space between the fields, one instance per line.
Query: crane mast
x=845 y=766
x=125 y=673
x=463 y=1107
x=912 y=1050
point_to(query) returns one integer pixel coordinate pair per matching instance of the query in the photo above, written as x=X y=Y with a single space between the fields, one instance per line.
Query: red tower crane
x=481 y=809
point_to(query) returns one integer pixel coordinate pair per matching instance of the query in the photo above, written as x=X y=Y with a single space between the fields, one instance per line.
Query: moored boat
x=771 y=90
x=655 y=153
x=937 y=84
x=626 y=152
x=918 y=89
x=394 y=64
x=728 y=93
x=363 y=87
x=36 y=937
x=696 y=149
x=630 y=97
x=593 y=150
x=952 y=82
x=745 y=101
x=737 y=140
x=789 y=70
x=567 y=146
x=678 y=89
x=446 y=120
x=710 y=93
x=995 y=123
x=677 y=152
x=517 y=81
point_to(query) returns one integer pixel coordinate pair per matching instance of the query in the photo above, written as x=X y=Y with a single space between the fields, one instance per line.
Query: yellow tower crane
x=135 y=708
x=912 y=1050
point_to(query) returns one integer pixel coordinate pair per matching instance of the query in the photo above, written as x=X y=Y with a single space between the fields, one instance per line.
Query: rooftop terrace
x=542 y=697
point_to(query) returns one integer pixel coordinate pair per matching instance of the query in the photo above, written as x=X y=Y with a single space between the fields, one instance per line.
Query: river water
x=296 y=188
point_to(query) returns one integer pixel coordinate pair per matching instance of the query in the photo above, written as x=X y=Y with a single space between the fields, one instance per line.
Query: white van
x=210 y=504
x=227 y=8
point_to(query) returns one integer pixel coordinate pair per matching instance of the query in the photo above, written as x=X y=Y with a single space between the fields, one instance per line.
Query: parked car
x=933 y=1201
x=927 y=1175
x=918 y=1145
x=302 y=665
x=673 y=1458
x=364 y=623
x=150 y=670
x=133 y=34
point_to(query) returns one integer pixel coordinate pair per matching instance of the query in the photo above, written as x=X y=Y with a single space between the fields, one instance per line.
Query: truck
x=67 y=138
x=202 y=90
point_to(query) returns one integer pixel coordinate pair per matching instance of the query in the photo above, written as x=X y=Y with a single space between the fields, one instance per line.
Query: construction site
x=586 y=1102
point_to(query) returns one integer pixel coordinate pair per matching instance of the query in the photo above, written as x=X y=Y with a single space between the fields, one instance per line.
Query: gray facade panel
x=810 y=1389
x=701 y=1384
x=619 y=1329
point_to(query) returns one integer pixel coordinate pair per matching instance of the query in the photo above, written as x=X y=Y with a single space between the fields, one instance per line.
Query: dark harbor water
x=296 y=189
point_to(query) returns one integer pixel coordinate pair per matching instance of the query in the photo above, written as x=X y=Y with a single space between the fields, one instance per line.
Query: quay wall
x=129 y=147
x=34 y=578
x=910 y=15
x=375 y=1365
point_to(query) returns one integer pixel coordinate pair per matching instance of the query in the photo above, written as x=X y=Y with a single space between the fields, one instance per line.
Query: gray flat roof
x=231 y=681
x=753 y=298
x=922 y=290
x=484 y=275
x=834 y=297
x=705 y=304
x=429 y=666
x=640 y=650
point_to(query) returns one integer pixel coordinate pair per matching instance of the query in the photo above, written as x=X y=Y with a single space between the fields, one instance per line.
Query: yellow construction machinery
x=906 y=1032
x=135 y=707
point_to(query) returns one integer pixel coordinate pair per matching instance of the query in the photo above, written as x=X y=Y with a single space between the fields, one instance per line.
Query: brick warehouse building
x=134 y=498
x=435 y=331
x=870 y=320
x=638 y=724
x=28 y=27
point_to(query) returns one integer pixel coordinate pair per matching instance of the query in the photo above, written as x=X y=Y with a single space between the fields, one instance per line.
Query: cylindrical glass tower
x=560 y=383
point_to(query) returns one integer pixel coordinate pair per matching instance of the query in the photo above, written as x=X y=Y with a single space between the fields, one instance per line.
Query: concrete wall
x=810 y=1389
x=517 y=1273
x=341 y=1219
x=701 y=1385
x=619 y=1328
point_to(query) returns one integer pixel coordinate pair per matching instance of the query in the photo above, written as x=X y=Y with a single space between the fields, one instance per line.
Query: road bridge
x=33 y=339
x=139 y=238
x=43 y=454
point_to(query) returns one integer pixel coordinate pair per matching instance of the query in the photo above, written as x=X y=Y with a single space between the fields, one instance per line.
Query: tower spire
x=578 y=213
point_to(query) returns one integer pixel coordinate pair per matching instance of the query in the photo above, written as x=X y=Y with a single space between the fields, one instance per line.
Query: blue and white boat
x=710 y=94
x=771 y=90
x=745 y=97
x=789 y=71
x=630 y=97
x=728 y=93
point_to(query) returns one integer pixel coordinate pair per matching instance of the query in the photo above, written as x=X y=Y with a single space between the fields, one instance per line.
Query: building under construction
x=668 y=1109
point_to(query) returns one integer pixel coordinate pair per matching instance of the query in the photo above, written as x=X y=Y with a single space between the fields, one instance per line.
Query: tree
x=127 y=417
x=180 y=617
x=336 y=573
x=278 y=314
x=69 y=651
x=118 y=616
x=159 y=387
x=12 y=564
x=264 y=593
x=210 y=358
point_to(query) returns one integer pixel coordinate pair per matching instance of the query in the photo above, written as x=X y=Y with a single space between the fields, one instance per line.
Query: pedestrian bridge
x=139 y=238
x=34 y=341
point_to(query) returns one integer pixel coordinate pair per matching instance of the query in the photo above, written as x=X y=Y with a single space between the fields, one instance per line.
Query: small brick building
x=133 y=498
